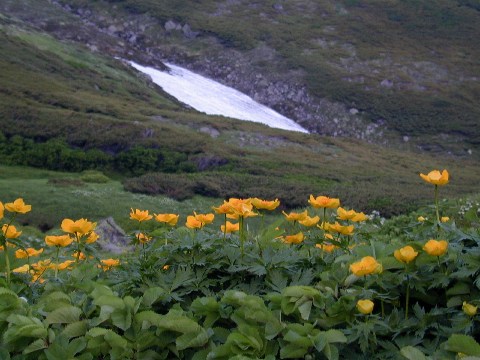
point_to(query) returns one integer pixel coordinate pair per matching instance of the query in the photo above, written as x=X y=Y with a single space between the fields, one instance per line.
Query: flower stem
x=242 y=235
x=7 y=264
x=56 y=262
x=436 y=205
x=407 y=297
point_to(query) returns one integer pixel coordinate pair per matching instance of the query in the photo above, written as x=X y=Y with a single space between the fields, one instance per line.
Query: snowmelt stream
x=213 y=98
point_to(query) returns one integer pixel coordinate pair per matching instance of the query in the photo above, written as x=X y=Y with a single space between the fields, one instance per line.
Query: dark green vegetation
x=424 y=53
x=277 y=301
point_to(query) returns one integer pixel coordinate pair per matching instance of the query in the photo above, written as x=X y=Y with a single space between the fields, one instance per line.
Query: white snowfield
x=213 y=98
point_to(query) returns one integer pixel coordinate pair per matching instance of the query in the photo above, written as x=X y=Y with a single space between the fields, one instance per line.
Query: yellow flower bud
x=469 y=309
x=365 y=306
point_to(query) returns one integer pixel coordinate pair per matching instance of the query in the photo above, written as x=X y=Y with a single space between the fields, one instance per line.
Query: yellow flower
x=265 y=204
x=79 y=227
x=435 y=177
x=166 y=267
x=28 y=252
x=42 y=265
x=193 y=223
x=64 y=265
x=343 y=214
x=365 y=306
x=344 y=230
x=310 y=221
x=61 y=240
x=293 y=216
x=406 y=254
x=327 y=247
x=22 y=269
x=140 y=215
x=143 y=238
x=107 y=264
x=2 y=208
x=366 y=266
x=240 y=208
x=435 y=248
x=444 y=219
x=294 y=239
x=230 y=227
x=169 y=219
x=469 y=309
x=359 y=217
x=421 y=219
x=10 y=231
x=205 y=219
x=80 y=256
x=324 y=202
x=18 y=206
x=92 y=237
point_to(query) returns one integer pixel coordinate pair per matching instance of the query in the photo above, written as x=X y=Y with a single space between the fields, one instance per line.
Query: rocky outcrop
x=112 y=237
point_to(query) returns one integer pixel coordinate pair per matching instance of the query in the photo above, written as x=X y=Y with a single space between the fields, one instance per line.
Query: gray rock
x=188 y=33
x=112 y=237
x=170 y=25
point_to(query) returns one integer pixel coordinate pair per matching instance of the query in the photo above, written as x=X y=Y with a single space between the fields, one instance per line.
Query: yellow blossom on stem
x=18 y=206
x=260 y=204
x=435 y=247
x=366 y=266
x=58 y=240
x=324 y=202
x=230 y=227
x=205 y=219
x=327 y=247
x=169 y=219
x=365 y=306
x=359 y=217
x=22 y=269
x=63 y=265
x=444 y=219
x=10 y=231
x=436 y=178
x=140 y=215
x=344 y=214
x=338 y=228
x=421 y=219
x=293 y=216
x=406 y=254
x=92 y=237
x=469 y=309
x=143 y=238
x=28 y=252
x=294 y=239
x=2 y=208
x=309 y=221
x=79 y=227
x=193 y=223
x=107 y=264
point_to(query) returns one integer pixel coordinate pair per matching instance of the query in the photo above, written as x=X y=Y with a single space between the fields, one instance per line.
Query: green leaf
x=335 y=336
x=292 y=351
x=193 y=339
x=64 y=315
x=464 y=344
x=412 y=353
x=109 y=300
x=75 y=329
x=39 y=344
x=152 y=295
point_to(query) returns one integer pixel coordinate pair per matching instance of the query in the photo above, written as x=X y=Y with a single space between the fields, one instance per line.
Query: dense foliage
x=323 y=283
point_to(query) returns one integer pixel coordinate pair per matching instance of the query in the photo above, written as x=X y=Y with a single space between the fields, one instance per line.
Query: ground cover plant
x=325 y=282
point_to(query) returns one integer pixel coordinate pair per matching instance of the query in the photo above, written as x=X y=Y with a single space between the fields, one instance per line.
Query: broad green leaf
x=305 y=309
x=192 y=339
x=335 y=336
x=38 y=344
x=64 y=315
x=75 y=329
x=292 y=351
x=463 y=344
x=412 y=353
x=459 y=289
x=152 y=295
x=110 y=301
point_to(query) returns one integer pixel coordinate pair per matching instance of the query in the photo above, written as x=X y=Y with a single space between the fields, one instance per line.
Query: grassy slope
x=347 y=48
x=51 y=89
